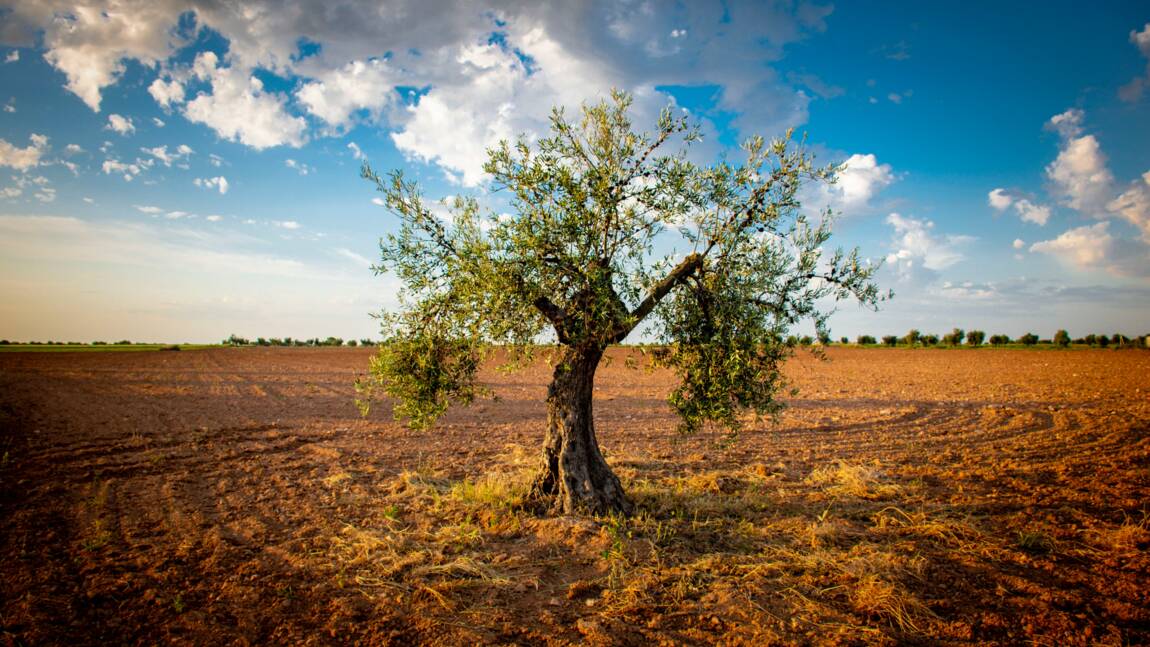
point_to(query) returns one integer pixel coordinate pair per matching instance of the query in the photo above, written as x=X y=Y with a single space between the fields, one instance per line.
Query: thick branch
x=554 y=314
x=684 y=269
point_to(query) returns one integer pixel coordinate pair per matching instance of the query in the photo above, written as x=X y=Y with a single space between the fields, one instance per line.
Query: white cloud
x=161 y=153
x=917 y=246
x=1068 y=124
x=1134 y=205
x=166 y=92
x=999 y=199
x=25 y=158
x=214 y=218
x=286 y=224
x=1002 y=199
x=480 y=90
x=73 y=149
x=10 y=107
x=120 y=124
x=89 y=200
x=89 y=42
x=337 y=95
x=355 y=151
x=1079 y=173
x=861 y=179
x=129 y=169
x=1133 y=90
x=298 y=167
x=148 y=209
x=1018 y=243
x=12 y=56
x=378 y=202
x=219 y=183
x=1087 y=246
x=158 y=122
x=238 y=109
x=215 y=160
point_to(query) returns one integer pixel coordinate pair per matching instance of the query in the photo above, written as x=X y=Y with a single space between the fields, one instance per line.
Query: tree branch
x=684 y=269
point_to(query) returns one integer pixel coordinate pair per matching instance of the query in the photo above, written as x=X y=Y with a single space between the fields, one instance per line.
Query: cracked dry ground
x=236 y=496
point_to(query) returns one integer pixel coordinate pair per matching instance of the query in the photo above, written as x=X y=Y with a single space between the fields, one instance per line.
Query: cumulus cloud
x=355 y=151
x=1001 y=200
x=481 y=75
x=120 y=124
x=861 y=179
x=25 y=158
x=89 y=41
x=1094 y=247
x=1134 y=205
x=917 y=247
x=1018 y=243
x=12 y=56
x=166 y=92
x=1087 y=246
x=337 y=95
x=148 y=209
x=239 y=109
x=1079 y=174
x=218 y=183
x=1133 y=90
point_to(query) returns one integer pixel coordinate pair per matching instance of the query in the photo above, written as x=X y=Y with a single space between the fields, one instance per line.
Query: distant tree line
x=236 y=340
x=974 y=338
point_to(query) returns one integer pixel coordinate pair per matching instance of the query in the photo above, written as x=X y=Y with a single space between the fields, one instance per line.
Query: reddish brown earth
x=236 y=496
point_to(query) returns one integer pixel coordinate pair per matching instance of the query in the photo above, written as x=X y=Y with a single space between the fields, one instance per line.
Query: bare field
x=236 y=496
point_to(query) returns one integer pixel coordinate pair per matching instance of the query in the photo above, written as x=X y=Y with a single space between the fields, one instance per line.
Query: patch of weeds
x=178 y=604
x=1034 y=541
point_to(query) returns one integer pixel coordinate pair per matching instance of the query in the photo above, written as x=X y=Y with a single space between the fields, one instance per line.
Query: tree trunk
x=574 y=478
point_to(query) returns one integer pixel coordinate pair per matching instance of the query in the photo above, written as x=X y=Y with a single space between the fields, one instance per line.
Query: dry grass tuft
x=846 y=480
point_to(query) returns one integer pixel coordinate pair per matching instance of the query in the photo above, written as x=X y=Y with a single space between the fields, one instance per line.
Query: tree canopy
x=608 y=229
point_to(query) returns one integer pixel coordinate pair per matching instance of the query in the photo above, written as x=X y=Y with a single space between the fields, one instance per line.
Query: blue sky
x=181 y=171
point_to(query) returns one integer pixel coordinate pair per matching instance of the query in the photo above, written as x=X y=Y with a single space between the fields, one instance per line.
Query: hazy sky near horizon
x=182 y=170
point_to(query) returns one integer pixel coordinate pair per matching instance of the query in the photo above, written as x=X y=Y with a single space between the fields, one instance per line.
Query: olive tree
x=581 y=258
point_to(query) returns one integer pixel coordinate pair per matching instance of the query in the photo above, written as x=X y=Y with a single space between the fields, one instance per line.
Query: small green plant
x=178 y=604
x=1033 y=541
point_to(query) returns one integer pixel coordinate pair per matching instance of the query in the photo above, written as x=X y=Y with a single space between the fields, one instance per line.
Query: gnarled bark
x=574 y=477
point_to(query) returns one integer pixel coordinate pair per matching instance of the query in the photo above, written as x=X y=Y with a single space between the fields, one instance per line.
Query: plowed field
x=237 y=496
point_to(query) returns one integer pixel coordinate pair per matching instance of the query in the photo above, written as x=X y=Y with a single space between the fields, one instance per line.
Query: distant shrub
x=170 y=347
x=260 y=341
x=890 y=340
x=912 y=338
x=1103 y=341
x=366 y=342
x=929 y=340
x=999 y=340
x=844 y=341
x=1062 y=338
x=1119 y=340
x=975 y=338
x=806 y=340
x=865 y=340
x=123 y=342
x=352 y=342
x=954 y=337
x=1029 y=339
